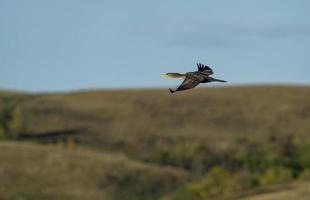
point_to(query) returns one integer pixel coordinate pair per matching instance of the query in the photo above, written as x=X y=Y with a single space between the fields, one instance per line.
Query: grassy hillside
x=215 y=113
x=237 y=139
x=300 y=191
x=31 y=171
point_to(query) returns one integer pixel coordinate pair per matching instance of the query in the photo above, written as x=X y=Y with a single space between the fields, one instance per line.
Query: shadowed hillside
x=232 y=140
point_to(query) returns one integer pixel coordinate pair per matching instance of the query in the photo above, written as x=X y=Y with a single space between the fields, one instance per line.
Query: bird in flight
x=192 y=79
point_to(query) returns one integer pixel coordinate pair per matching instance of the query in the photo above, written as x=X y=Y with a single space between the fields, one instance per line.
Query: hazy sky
x=49 y=45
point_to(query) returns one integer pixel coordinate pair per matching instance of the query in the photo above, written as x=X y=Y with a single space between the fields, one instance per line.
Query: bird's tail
x=218 y=80
x=174 y=75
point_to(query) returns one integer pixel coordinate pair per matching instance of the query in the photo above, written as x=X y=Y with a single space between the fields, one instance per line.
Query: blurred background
x=84 y=113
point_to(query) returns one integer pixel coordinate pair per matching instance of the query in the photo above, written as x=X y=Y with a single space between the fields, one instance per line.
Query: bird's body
x=192 y=79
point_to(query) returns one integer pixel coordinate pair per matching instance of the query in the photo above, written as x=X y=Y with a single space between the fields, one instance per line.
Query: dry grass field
x=149 y=144
x=300 y=191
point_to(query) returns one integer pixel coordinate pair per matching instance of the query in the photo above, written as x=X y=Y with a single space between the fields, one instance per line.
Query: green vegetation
x=244 y=166
x=218 y=181
x=12 y=119
x=148 y=144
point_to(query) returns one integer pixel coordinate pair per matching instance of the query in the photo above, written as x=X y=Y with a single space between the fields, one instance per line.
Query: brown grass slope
x=210 y=115
x=32 y=171
x=300 y=191
x=135 y=123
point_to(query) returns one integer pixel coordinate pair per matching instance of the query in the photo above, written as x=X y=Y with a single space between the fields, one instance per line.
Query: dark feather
x=204 y=68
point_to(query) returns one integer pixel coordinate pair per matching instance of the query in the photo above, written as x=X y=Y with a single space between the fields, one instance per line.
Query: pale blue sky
x=56 y=45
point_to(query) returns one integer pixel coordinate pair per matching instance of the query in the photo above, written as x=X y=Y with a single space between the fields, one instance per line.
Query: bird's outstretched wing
x=204 y=69
x=189 y=83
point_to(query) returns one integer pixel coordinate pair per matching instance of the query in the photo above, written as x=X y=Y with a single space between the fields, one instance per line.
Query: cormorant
x=192 y=79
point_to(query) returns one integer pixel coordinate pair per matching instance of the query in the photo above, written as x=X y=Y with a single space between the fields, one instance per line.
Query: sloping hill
x=32 y=171
x=131 y=118
x=300 y=191
x=216 y=141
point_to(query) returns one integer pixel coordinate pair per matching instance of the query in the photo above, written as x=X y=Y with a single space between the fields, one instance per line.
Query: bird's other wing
x=174 y=75
x=189 y=83
x=204 y=69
